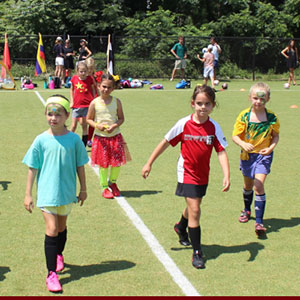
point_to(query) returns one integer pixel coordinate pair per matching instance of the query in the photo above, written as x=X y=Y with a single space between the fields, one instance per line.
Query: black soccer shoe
x=198 y=261
x=183 y=236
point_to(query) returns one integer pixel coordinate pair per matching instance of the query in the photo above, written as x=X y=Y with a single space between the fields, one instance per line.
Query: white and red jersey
x=197 y=142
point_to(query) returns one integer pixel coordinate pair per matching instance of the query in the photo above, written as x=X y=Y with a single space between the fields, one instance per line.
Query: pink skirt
x=108 y=151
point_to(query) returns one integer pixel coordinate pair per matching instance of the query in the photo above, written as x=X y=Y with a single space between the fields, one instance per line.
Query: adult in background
x=58 y=50
x=69 y=61
x=216 y=50
x=84 y=51
x=179 y=50
x=291 y=54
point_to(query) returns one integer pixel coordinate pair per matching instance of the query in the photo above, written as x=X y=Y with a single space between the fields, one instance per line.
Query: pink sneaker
x=114 y=188
x=53 y=283
x=107 y=194
x=59 y=263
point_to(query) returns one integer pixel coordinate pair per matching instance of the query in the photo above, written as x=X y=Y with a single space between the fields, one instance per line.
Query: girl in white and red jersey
x=198 y=135
x=82 y=93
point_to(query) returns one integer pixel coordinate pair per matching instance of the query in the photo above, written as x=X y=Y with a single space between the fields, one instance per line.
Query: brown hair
x=207 y=90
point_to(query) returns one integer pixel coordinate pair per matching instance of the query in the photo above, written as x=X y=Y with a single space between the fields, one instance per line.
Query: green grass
x=105 y=255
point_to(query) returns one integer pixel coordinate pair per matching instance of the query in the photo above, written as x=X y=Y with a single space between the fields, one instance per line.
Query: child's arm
x=274 y=142
x=83 y=193
x=71 y=95
x=223 y=160
x=121 y=118
x=28 y=202
x=246 y=146
x=199 y=57
x=160 y=148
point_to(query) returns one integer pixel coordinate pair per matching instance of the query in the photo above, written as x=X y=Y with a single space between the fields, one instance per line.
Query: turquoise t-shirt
x=180 y=50
x=56 y=158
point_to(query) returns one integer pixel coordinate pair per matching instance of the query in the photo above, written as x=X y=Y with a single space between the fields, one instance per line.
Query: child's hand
x=82 y=197
x=226 y=185
x=265 y=151
x=28 y=203
x=247 y=147
x=110 y=128
x=146 y=171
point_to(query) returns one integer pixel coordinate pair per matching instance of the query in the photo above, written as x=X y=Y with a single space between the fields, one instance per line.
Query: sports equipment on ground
x=216 y=82
x=286 y=85
x=183 y=236
x=7 y=81
x=224 y=86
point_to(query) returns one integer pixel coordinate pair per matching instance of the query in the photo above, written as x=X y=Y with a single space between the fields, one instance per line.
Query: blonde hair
x=90 y=63
x=260 y=85
x=81 y=63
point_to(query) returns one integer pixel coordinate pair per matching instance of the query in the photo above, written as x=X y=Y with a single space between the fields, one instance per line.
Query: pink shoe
x=59 y=263
x=107 y=194
x=53 y=283
x=116 y=192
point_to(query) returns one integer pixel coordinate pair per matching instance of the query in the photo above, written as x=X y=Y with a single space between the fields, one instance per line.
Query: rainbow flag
x=40 y=66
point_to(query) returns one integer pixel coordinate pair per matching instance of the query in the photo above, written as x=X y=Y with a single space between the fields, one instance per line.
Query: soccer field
x=127 y=246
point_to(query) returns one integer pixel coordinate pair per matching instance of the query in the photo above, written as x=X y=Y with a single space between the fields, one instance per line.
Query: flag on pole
x=6 y=57
x=110 y=59
x=40 y=66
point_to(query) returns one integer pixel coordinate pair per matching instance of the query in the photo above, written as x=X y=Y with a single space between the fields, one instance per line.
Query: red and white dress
x=197 y=142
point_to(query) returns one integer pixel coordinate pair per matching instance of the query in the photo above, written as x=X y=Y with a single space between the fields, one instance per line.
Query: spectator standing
x=58 y=50
x=179 y=50
x=291 y=54
x=216 y=50
x=69 y=61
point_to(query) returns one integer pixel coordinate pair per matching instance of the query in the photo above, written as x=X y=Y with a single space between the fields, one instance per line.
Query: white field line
x=178 y=277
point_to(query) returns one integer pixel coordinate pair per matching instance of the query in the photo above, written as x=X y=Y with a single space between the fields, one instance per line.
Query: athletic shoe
x=89 y=143
x=183 y=236
x=53 y=283
x=107 y=194
x=114 y=188
x=260 y=229
x=171 y=79
x=245 y=216
x=59 y=263
x=198 y=261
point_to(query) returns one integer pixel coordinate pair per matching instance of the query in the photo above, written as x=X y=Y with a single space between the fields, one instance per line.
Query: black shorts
x=191 y=190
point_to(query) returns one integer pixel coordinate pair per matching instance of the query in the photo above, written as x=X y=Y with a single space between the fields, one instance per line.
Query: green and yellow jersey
x=257 y=134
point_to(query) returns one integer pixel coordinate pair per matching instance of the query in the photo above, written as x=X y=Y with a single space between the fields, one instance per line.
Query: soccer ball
x=286 y=85
x=204 y=50
x=224 y=86
x=216 y=82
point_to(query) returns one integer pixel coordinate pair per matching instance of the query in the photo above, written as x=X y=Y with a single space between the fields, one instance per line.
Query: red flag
x=6 y=57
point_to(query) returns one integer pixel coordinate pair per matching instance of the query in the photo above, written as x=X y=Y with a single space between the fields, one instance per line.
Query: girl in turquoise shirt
x=56 y=156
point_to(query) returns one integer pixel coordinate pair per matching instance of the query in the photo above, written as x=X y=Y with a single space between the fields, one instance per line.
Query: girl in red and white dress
x=198 y=135
x=108 y=150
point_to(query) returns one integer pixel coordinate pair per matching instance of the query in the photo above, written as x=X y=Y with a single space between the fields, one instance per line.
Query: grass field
x=106 y=255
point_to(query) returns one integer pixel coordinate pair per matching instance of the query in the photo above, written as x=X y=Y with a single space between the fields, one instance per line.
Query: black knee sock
x=183 y=223
x=51 y=252
x=248 y=198
x=195 y=237
x=62 y=239
x=85 y=139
